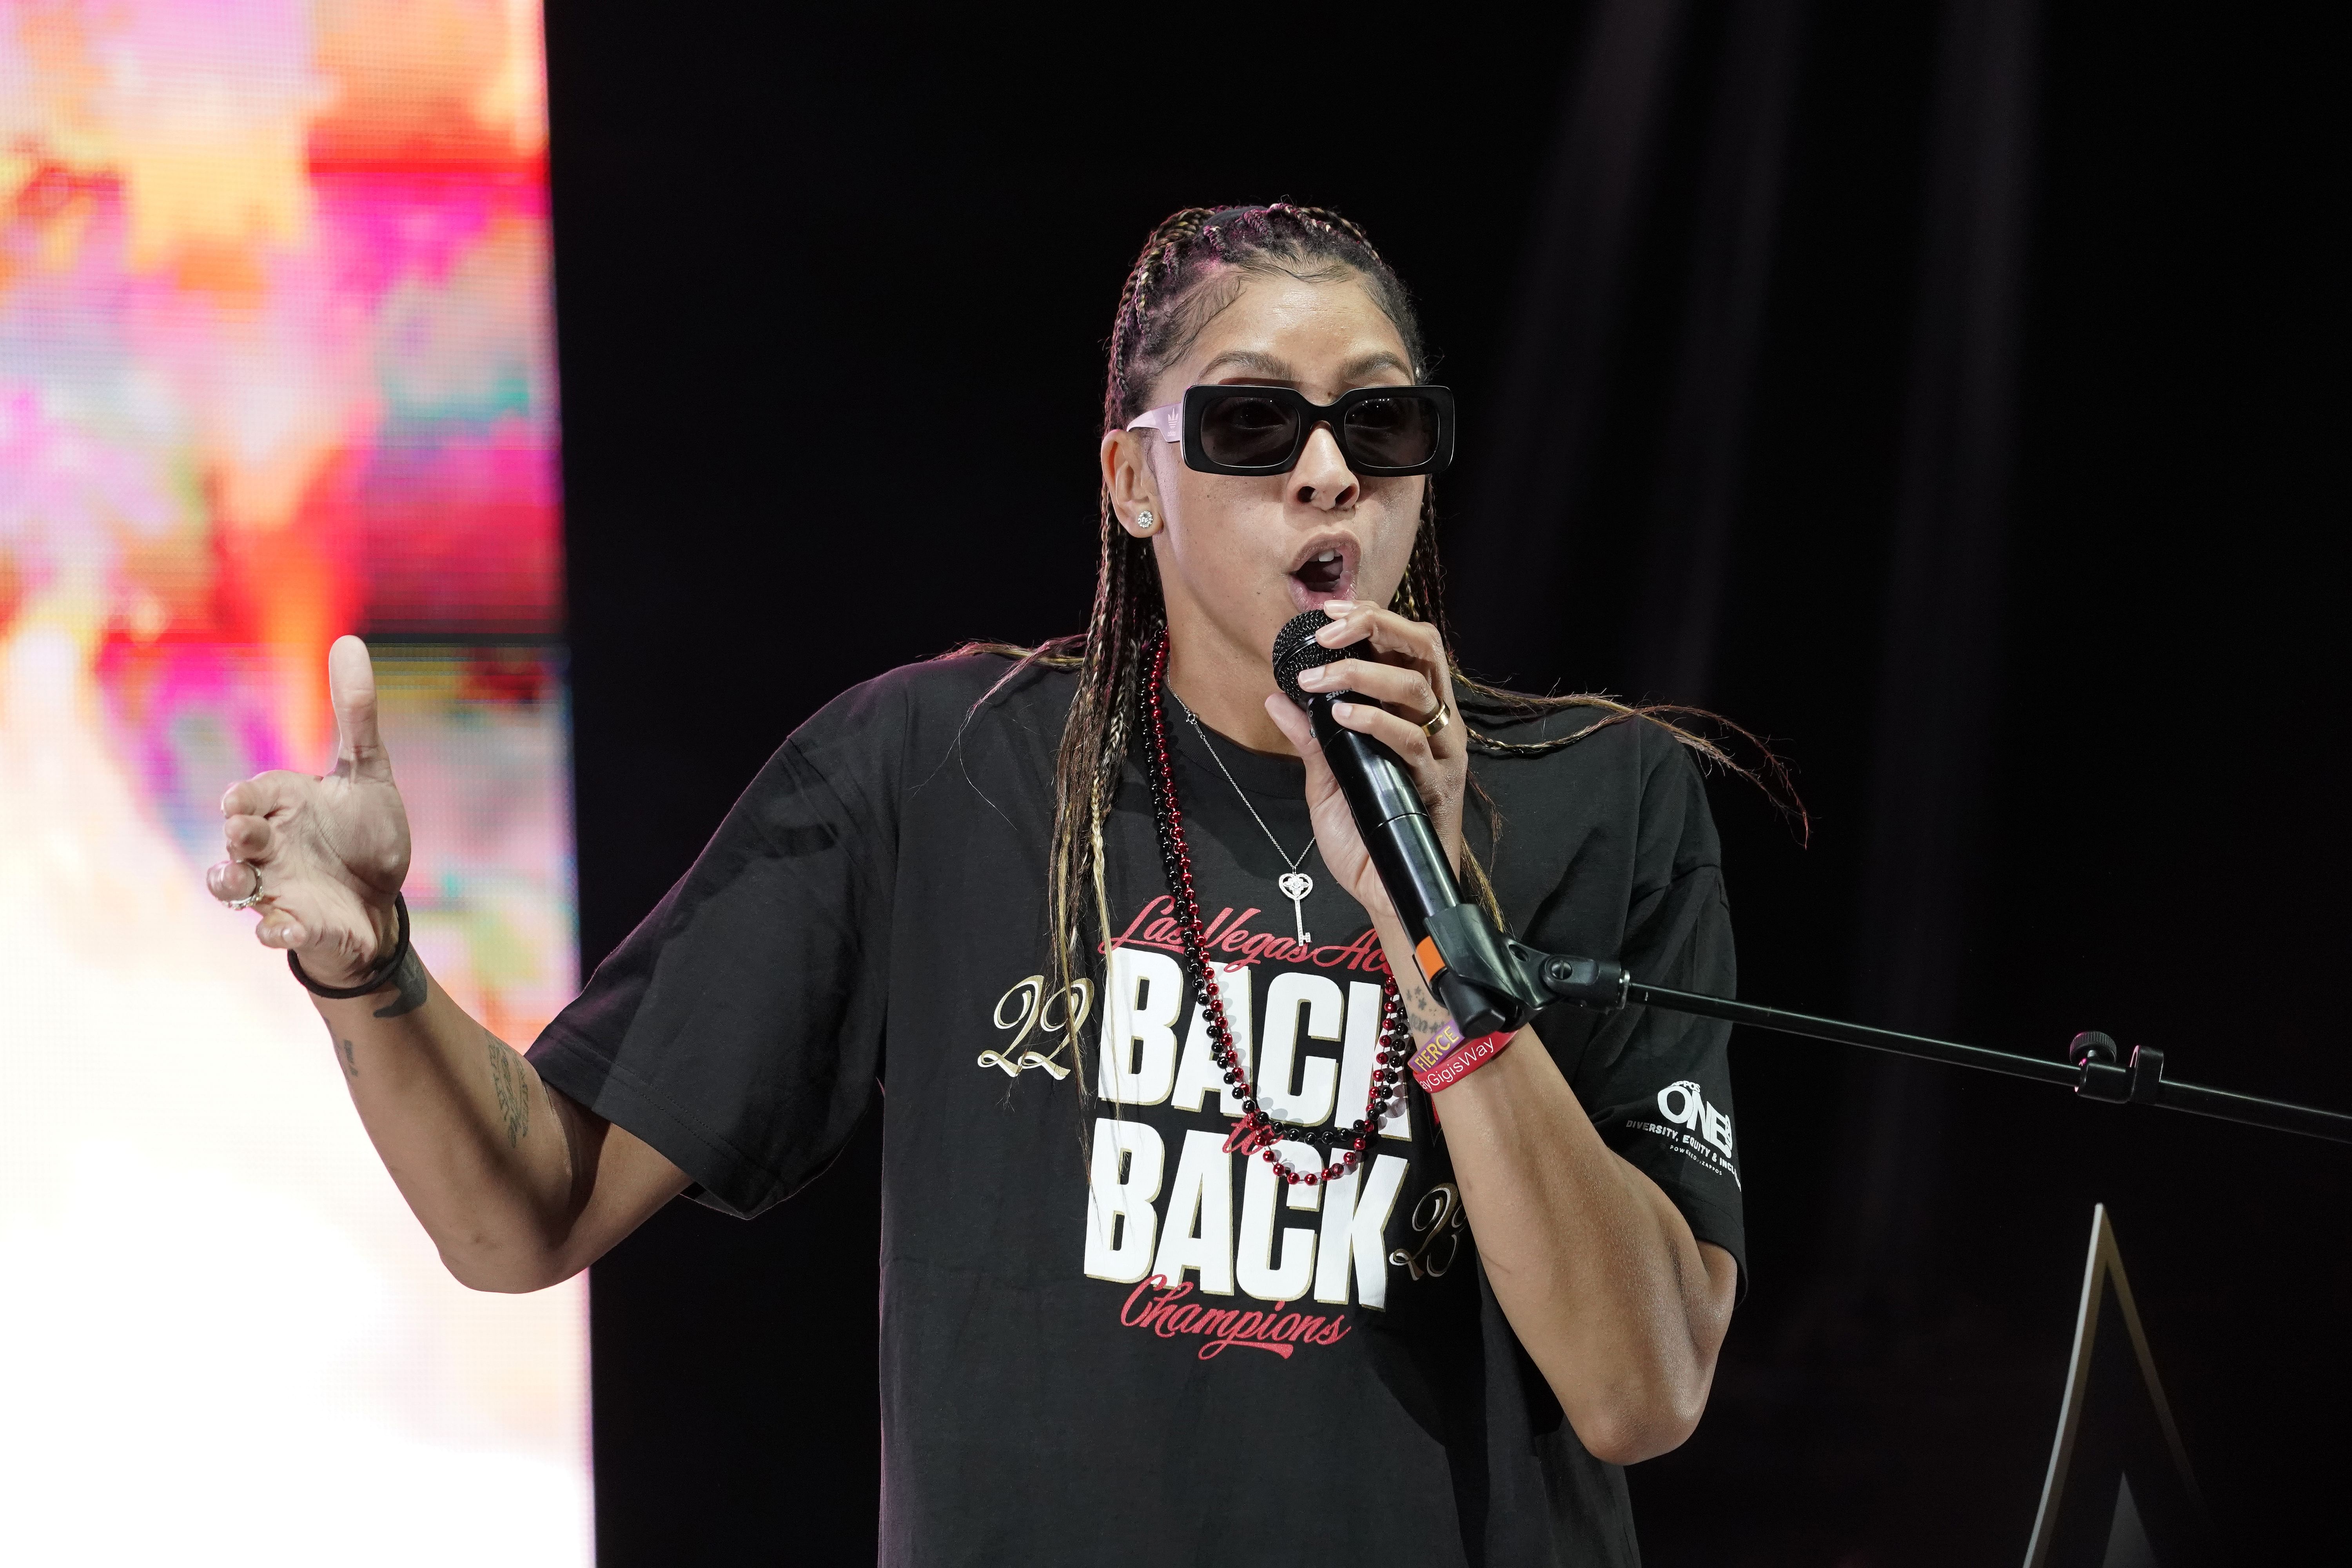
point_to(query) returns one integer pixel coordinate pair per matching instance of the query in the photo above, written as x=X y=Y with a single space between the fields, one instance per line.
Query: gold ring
x=1436 y=722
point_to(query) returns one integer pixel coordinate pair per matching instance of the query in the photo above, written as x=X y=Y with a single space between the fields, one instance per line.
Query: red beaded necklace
x=1257 y=1133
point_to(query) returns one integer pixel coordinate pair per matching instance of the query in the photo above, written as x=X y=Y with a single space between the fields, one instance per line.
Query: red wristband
x=1442 y=1064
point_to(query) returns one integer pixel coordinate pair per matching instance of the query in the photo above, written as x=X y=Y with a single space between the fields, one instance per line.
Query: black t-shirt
x=1105 y=1340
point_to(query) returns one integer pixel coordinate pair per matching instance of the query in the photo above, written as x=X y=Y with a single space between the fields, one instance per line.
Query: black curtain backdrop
x=1953 y=392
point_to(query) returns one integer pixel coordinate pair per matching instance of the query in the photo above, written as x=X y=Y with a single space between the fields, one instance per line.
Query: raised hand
x=328 y=854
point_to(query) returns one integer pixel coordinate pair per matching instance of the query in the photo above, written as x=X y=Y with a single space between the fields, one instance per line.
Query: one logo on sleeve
x=1698 y=1130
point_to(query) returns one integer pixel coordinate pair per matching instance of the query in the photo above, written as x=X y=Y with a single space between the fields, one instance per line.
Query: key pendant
x=1296 y=885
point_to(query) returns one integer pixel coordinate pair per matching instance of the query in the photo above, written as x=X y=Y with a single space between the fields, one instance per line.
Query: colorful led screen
x=275 y=364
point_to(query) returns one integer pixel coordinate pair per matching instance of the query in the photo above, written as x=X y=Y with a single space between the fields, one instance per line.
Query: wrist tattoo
x=1423 y=1014
x=350 y=1058
x=409 y=980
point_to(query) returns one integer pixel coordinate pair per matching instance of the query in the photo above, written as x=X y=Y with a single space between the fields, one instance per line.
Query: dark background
x=1953 y=394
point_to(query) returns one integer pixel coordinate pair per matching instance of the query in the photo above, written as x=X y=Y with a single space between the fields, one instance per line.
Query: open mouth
x=1327 y=573
x=1322 y=575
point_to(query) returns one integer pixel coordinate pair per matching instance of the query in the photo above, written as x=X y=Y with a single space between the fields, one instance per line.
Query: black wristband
x=382 y=976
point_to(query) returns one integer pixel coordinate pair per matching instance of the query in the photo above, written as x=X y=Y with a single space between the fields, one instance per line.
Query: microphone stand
x=1491 y=982
x=1513 y=980
x=2090 y=1069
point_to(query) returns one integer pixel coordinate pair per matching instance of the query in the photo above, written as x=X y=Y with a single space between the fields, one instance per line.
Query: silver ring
x=250 y=898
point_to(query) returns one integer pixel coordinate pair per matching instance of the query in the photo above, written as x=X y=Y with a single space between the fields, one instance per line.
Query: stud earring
x=1145 y=522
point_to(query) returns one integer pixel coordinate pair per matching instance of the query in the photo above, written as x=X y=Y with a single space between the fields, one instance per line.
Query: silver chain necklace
x=1296 y=884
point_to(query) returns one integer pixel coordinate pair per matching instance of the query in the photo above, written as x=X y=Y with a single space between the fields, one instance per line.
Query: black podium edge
x=2105 y=1265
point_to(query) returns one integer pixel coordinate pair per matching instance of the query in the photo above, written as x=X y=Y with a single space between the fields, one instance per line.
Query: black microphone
x=1458 y=948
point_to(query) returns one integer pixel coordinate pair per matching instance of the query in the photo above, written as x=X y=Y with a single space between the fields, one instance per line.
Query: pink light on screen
x=276 y=362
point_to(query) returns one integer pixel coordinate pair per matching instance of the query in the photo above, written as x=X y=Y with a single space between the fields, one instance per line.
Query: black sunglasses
x=1383 y=431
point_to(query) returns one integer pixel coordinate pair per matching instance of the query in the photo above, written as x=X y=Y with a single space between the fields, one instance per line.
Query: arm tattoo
x=1425 y=1015
x=410 y=979
x=350 y=1058
x=510 y=1080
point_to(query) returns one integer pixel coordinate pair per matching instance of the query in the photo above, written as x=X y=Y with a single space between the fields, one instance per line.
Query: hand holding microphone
x=1399 y=782
x=1355 y=669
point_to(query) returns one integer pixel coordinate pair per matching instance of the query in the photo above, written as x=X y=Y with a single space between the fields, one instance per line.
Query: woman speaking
x=1207 y=1235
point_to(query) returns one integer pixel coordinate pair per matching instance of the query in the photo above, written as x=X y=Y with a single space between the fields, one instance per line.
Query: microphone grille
x=1294 y=648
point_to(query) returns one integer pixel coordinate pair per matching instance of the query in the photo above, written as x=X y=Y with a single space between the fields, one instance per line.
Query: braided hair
x=1193 y=265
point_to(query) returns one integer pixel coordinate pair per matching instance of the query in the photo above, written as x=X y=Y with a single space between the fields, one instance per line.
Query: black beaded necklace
x=1257 y=1133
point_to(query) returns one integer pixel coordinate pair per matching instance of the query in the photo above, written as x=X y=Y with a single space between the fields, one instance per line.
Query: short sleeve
x=739 y=1028
x=1656 y=1084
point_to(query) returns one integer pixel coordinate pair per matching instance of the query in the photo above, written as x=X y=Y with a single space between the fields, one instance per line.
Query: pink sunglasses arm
x=1168 y=419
